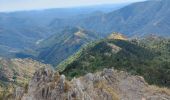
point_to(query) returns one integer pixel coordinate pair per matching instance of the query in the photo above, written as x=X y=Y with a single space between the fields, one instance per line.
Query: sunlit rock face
x=109 y=84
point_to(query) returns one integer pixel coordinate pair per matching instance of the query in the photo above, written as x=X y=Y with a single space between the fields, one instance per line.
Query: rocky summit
x=108 y=84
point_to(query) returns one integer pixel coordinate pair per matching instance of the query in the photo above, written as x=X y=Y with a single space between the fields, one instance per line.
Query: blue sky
x=15 y=5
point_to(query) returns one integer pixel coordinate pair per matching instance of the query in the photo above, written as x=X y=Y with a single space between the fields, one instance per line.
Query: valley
x=118 y=51
x=27 y=27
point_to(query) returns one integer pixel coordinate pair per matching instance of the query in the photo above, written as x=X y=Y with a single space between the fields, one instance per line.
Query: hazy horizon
x=20 y=5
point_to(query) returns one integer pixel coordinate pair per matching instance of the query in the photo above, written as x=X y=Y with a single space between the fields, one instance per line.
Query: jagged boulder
x=109 y=84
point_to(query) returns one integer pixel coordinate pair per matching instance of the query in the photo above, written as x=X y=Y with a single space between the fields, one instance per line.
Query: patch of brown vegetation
x=117 y=36
x=155 y=89
x=102 y=85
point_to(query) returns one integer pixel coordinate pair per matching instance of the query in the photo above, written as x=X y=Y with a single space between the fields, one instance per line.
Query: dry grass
x=108 y=89
x=6 y=93
x=66 y=86
x=117 y=36
x=156 y=89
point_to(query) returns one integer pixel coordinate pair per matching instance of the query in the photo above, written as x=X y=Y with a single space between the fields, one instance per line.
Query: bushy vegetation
x=61 y=67
x=148 y=57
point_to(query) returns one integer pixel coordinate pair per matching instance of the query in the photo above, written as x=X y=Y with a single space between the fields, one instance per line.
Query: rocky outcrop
x=16 y=72
x=109 y=84
x=18 y=69
x=117 y=36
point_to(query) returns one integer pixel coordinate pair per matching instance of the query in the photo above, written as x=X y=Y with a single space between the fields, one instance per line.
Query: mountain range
x=116 y=63
x=21 y=31
x=104 y=52
x=136 y=19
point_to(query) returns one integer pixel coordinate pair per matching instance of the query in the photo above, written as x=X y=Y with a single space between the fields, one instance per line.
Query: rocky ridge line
x=109 y=84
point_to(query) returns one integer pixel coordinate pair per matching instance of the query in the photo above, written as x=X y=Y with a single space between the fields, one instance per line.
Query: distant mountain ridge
x=136 y=19
x=21 y=31
x=61 y=45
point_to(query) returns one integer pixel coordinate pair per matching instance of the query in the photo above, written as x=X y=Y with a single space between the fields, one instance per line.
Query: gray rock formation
x=109 y=84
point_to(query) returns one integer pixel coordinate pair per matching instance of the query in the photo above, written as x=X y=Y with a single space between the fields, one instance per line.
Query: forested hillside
x=148 y=57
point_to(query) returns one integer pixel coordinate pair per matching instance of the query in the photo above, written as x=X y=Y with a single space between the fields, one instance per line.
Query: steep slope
x=151 y=16
x=16 y=72
x=61 y=45
x=108 y=84
x=148 y=57
x=137 y=19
